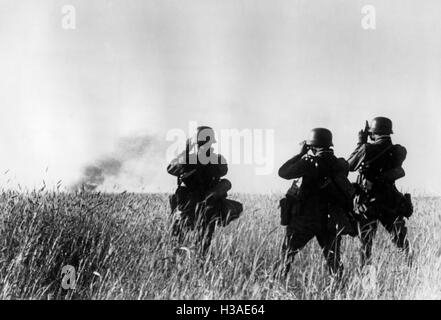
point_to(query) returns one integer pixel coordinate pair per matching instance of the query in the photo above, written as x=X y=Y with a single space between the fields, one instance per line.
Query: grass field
x=120 y=247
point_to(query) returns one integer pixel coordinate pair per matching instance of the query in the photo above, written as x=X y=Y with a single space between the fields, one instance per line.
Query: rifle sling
x=367 y=163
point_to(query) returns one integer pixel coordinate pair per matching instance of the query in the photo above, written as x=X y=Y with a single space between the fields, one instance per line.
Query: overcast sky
x=145 y=67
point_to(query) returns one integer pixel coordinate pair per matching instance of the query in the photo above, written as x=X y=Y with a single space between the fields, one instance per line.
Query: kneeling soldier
x=201 y=196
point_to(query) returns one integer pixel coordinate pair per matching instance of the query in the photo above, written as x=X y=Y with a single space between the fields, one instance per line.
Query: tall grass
x=120 y=247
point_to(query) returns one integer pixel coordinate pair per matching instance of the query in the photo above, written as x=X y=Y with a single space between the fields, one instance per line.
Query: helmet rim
x=321 y=137
x=381 y=125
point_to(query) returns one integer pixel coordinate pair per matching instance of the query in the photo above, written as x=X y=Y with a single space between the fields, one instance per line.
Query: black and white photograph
x=246 y=151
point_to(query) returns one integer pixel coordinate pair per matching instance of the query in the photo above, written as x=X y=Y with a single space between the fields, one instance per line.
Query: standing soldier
x=308 y=211
x=379 y=166
x=200 y=198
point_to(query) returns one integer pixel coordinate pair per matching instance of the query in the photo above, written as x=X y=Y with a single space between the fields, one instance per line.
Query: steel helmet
x=205 y=134
x=381 y=125
x=320 y=137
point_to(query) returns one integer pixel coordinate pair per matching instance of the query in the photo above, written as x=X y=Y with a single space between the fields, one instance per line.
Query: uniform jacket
x=379 y=176
x=386 y=168
x=313 y=169
x=198 y=176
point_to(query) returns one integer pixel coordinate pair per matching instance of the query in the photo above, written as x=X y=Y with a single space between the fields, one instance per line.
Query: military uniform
x=201 y=198
x=313 y=218
x=379 y=164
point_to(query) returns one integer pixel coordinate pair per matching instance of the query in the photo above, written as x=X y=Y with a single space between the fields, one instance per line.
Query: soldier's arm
x=177 y=165
x=295 y=167
x=357 y=157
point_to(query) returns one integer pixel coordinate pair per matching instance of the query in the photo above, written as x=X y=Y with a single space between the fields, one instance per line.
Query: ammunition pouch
x=405 y=205
x=285 y=208
x=289 y=207
x=389 y=201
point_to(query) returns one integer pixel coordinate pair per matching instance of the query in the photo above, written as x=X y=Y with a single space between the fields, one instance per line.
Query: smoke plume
x=134 y=161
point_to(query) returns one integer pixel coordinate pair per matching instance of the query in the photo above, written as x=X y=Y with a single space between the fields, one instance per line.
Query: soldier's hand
x=185 y=174
x=303 y=147
x=363 y=136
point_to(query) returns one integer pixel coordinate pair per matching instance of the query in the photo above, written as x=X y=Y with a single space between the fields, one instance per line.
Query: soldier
x=200 y=198
x=379 y=164
x=312 y=214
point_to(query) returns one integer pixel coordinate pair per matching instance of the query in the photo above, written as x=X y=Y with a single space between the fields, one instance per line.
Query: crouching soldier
x=379 y=165
x=200 y=201
x=310 y=209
